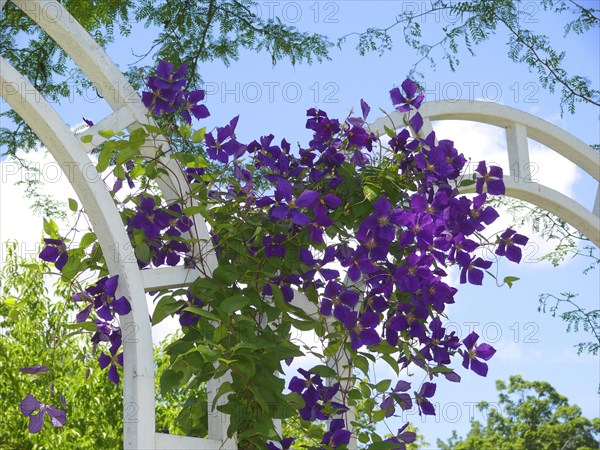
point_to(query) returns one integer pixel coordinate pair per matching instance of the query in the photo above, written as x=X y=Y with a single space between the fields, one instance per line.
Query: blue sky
x=274 y=100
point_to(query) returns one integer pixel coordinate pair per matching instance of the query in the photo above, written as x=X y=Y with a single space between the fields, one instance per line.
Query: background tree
x=213 y=30
x=479 y=20
x=29 y=318
x=531 y=416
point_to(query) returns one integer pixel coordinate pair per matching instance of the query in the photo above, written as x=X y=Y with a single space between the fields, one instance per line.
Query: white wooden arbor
x=519 y=127
x=129 y=113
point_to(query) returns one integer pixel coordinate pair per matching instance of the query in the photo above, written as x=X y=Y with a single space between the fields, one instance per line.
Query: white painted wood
x=138 y=387
x=518 y=152
x=138 y=384
x=130 y=113
x=117 y=121
x=174 y=442
x=167 y=277
x=538 y=129
x=519 y=127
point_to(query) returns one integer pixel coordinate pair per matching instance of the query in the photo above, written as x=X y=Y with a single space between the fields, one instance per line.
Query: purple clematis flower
x=170 y=253
x=113 y=361
x=358 y=262
x=284 y=206
x=224 y=145
x=508 y=245
x=274 y=246
x=341 y=299
x=283 y=444
x=319 y=205
x=56 y=252
x=472 y=352
x=30 y=404
x=404 y=103
x=34 y=369
x=425 y=406
x=150 y=219
x=402 y=438
x=337 y=435
x=492 y=179
x=471 y=268
x=380 y=224
x=106 y=303
x=362 y=331
x=188 y=318
x=191 y=106
x=178 y=221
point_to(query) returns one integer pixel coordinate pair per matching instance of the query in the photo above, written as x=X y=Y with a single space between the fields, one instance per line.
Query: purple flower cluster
x=161 y=230
x=167 y=94
x=319 y=405
x=101 y=297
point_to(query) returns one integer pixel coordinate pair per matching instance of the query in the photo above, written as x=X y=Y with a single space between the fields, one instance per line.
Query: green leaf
x=382 y=445
x=142 y=252
x=105 y=156
x=383 y=385
x=223 y=389
x=220 y=333
x=86 y=139
x=234 y=303
x=370 y=193
x=202 y=312
x=50 y=228
x=165 y=307
x=465 y=183
x=170 y=380
x=126 y=154
x=391 y=133
x=87 y=239
x=324 y=371
x=510 y=280
x=226 y=274
x=73 y=206
x=184 y=131
x=107 y=134
x=362 y=363
x=246 y=366
x=198 y=135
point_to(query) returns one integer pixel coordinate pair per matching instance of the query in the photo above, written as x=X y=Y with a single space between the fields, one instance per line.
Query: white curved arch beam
x=555 y=202
x=553 y=137
x=108 y=226
x=519 y=126
x=116 y=90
